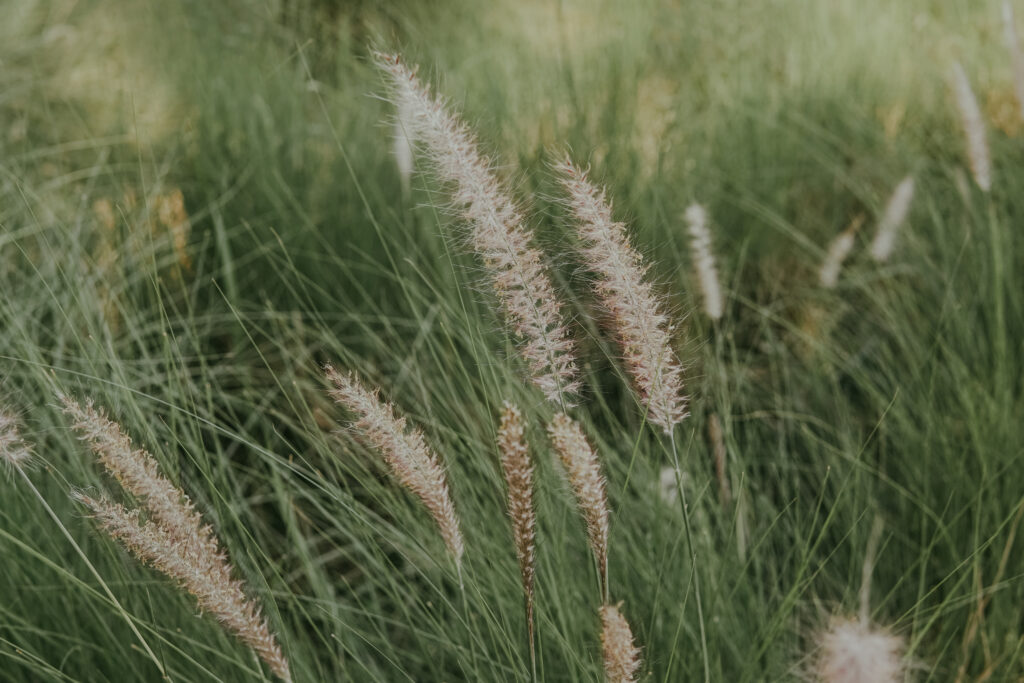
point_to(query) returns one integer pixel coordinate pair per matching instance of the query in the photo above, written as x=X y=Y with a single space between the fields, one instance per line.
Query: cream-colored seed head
x=498 y=231
x=853 y=652
x=584 y=471
x=974 y=128
x=621 y=656
x=14 y=452
x=174 y=540
x=405 y=452
x=895 y=214
x=635 y=315
x=838 y=251
x=704 y=261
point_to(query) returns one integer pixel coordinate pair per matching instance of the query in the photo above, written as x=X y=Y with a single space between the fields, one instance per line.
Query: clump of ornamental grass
x=973 y=126
x=173 y=539
x=704 y=260
x=895 y=214
x=498 y=232
x=588 y=485
x=518 y=470
x=404 y=450
x=621 y=656
x=838 y=251
x=635 y=313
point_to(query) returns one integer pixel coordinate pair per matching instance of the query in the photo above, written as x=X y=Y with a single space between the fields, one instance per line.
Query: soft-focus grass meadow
x=199 y=206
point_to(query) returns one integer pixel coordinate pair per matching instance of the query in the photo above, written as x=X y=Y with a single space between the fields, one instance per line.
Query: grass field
x=199 y=207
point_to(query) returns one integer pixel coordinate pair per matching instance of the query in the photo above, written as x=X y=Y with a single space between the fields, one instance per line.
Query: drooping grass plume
x=853 y=652
x=515 y=462
x=634 y=310
x=498 y=233
x=174 y=540
x=974 y=128
x=405 y=452
x=704 y=260
x=838 y=250
x=14 y=452
x=621 y=656
x=206 y=578
x=1016 y=55
x=584 y=470
x=892 y=218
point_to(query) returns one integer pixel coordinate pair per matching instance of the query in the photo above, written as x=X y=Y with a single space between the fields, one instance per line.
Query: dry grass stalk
x=621 y=656
x=515 y=461
x=580 y=462
x=14 y=452
x=718 y=448
x=1016 y=55
x=405 y=452
x=635 y=314
x=174 y=540
x=207 y=578
x=892 y=218
x=704 y=260
x=838 y=251
x=974 y=128
x=853 y=652
x=498 y=233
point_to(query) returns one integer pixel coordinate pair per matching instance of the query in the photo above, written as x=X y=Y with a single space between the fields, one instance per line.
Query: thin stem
x=106 y=589
x=693 y=558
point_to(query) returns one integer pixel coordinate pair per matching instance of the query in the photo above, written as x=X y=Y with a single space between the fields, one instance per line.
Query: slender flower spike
x=704 y=260
x=14 y=452
x=621 y=656
x=636 y=318
x=852 y=652
x=895 y=214
x=207 y=579
x=1016 y=55
x=580 y=462
x=498 y=233
x=974 y=128
x=515 y=461
x=838 y=250
x=174 y=540
x=404 y=451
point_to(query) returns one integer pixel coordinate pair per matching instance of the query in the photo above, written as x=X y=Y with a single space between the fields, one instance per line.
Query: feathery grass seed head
x=838 y=251
x=206 y=578
x=895 y=214
x=405 y=452
x=634 y=310
x=704 y=260
x=498 y=232
x=584 y=470
x=14 y=452
x=852 y=652
x=974 y=128
x=621 y=656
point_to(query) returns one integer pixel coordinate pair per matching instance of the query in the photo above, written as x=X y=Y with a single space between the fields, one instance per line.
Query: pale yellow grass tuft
x=974 y=128
x=621 y=656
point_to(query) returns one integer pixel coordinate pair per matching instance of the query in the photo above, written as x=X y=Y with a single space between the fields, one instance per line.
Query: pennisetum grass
x=621 y=656
x=974 y=127
x=404 y=450
x=704 y=260
x=838 y=251
x=518 y=469
x=1016 y=55
x=584 y=471
x=498 y=233
x=895 y=214
x=174 y=539
x=635 y=316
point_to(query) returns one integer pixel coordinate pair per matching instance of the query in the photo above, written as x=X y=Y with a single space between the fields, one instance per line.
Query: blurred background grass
x=199 y=204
